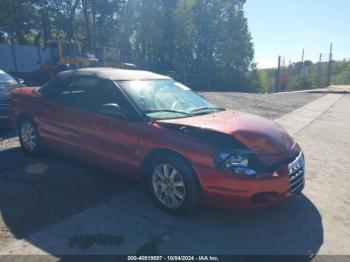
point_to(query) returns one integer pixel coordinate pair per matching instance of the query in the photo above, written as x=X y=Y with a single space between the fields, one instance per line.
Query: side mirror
x=20 y=81
x=113 y=110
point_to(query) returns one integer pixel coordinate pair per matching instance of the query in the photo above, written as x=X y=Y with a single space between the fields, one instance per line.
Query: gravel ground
x=271 y=106
x=36 y=192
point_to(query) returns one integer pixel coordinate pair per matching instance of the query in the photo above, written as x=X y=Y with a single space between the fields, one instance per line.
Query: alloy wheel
x=168 y=186
x=28 y=136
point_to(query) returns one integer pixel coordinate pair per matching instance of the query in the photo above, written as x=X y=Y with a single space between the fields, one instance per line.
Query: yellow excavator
x=66 y=55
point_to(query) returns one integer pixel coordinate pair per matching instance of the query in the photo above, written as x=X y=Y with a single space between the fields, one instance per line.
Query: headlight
x=236 y=162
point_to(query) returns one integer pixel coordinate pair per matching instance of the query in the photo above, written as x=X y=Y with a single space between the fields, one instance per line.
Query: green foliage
x=341 y=72
x=213 y=39
x=17 y=19
x=267 y=80
x=306 y=77
x=206 y=42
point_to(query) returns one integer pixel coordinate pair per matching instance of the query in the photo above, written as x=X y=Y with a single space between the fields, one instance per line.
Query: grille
x=297 y=174
x=4 y=104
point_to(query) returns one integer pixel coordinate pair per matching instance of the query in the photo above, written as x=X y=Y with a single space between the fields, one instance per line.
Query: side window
x=65 y=92
x=86 y=93
x=50 y=87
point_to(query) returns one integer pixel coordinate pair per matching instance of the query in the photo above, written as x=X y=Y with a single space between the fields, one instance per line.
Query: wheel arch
x=150 y=156
x=197 y=193
x=21 y=117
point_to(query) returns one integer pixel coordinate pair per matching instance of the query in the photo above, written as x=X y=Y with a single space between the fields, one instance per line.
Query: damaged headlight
x=236 y=162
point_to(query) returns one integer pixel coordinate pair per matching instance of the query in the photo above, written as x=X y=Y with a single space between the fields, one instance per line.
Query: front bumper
x=227 y=190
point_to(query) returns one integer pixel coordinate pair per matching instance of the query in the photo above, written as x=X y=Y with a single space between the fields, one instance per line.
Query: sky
x=286 y=27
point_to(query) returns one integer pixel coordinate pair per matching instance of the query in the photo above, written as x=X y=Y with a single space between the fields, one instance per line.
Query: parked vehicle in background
x=7 y=85
x=149 y=127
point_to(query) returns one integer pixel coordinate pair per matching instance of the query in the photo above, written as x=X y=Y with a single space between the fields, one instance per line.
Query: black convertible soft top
x=117 y=74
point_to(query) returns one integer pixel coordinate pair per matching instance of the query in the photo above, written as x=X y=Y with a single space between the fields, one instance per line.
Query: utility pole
x=278 y=76
x=289 y=66
x=93 y=6
x=289 y=69
x=302 y=56
x=329 y=75
x=14 y=58
x=282 y=85
x=319 y=71
x=302 y=63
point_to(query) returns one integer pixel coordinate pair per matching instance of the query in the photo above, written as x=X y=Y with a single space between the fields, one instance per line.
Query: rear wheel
x=173 y=185
x=29 y=136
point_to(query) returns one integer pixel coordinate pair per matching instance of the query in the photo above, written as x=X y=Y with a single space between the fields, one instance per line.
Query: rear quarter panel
x=23 y=101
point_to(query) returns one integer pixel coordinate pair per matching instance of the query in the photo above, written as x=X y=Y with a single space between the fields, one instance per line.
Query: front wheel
x=173 y=185
x=29 y=136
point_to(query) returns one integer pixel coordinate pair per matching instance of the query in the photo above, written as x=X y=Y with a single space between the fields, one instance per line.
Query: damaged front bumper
x=223 y=189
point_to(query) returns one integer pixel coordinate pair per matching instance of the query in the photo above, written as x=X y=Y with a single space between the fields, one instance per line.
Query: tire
x=173 y=185
x=29 y=137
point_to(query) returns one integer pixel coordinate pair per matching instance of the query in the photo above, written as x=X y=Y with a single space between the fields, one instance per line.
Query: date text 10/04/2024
x=173 y=258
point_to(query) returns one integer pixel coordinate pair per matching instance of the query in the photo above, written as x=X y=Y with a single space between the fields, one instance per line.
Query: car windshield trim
x=198 y=110
x=165 y=110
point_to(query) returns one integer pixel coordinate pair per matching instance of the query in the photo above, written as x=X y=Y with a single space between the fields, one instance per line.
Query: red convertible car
x=149 y=127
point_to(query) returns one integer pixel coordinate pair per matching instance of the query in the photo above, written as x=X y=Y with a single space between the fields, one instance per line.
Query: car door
x=48 y=114
x=106 y=141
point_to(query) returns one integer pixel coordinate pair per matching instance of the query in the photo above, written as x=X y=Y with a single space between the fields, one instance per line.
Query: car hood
x=262 y=136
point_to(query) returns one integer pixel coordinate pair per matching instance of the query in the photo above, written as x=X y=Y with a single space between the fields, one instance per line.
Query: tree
x=86 y=8
x=68 y=15
x=17 y=19
x=215 y=39
x=206 y=40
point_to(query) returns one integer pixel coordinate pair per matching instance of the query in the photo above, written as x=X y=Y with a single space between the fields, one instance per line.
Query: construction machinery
x=64 y=55
x=68 y=55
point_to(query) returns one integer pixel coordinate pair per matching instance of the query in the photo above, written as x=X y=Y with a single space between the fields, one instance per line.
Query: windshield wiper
x=206 y=109
x=165 y=110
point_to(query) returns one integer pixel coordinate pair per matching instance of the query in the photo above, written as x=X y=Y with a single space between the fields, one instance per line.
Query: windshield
x=5 y=78
x=166 y=99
